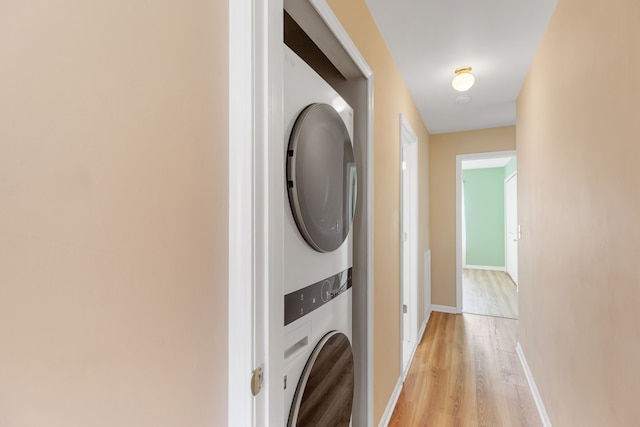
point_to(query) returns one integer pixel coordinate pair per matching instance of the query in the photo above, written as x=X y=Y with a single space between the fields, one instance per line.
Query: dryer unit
x=320 y=177
x=318 y=250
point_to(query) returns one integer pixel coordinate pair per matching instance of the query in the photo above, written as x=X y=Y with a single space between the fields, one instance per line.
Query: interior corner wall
x=443 y=149
x=484 y=216
x=113 y=213
x=579 y=210
x=391 y=98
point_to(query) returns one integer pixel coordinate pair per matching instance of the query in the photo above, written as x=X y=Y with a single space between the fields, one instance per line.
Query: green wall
x=484 y=216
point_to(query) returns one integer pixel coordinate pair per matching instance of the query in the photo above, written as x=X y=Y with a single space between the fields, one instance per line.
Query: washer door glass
x=324 y=396
x=321 y=177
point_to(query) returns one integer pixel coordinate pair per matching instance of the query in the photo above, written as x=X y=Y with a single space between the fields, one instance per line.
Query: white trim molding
x=409 y=258
x=393 y=400
x=415 y=347
x=514 y=173
x=546 y=422
x=444 y=309
x=427 y=283
x=326 y=13
x=241 y=209
x=423 y=328
x=485 y=267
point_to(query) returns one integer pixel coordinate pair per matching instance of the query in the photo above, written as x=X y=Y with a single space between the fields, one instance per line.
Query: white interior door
x=409 y=241
x=511 y=217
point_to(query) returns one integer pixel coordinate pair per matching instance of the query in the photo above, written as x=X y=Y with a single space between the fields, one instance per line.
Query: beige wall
x=113 y=213
x=578 y=131
x=391 y=98
x=443 y=149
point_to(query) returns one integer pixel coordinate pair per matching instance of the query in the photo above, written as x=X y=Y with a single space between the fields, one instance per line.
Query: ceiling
x=429 y=39
x=495 y=162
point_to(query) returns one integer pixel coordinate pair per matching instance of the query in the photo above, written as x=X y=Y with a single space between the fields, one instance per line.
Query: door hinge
x=257 y=379
x=404 y=308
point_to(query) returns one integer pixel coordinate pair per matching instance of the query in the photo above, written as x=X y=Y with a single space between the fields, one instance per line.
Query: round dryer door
x=324 y=396
x=321 y=177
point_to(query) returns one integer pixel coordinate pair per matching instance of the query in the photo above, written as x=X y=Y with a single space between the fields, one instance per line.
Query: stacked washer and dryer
x=318 y=250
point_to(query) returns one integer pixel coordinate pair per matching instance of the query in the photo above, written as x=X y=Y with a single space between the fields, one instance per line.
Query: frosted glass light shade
x=463 y=79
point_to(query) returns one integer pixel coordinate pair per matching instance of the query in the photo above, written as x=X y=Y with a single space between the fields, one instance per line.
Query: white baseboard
x=415 y=347
x=546 y=422
x=386 y=417
x=485 y=267
x=444 y=309
x=423 y=328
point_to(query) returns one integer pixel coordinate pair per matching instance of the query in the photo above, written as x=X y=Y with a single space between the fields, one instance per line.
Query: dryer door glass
x=321 y=177
x=324 y=396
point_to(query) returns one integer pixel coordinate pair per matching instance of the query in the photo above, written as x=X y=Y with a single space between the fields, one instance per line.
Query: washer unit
x=318 y=250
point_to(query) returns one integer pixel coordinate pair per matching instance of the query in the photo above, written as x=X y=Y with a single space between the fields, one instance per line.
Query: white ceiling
x=496 y=162
x=429 y=39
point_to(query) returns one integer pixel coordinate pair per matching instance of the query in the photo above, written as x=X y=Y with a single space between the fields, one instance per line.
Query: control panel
x=299 y=303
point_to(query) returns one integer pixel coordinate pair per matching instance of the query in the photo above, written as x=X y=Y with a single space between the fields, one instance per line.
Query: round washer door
x=321 y=177
x=324 y=396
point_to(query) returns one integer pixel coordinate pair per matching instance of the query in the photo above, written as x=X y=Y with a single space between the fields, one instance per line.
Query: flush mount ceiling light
x=463 y=79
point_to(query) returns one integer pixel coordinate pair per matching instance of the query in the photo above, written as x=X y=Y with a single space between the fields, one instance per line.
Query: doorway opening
x=486 y=207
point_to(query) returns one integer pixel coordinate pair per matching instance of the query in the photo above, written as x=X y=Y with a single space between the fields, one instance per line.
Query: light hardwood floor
x=491 y=293
x=466 y=373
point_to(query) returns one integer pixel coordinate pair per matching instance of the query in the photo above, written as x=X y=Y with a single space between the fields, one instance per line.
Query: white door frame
x=459 y=159
x=507 y=181
x=255 y=82
x=408 y=243
x=241 y=217
x=256 y=303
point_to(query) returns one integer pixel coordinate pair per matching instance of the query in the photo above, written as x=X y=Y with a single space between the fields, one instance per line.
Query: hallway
x=466 y=373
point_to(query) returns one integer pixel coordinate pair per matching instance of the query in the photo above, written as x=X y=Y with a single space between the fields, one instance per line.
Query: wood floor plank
x=466 y=373
x=489 y=293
